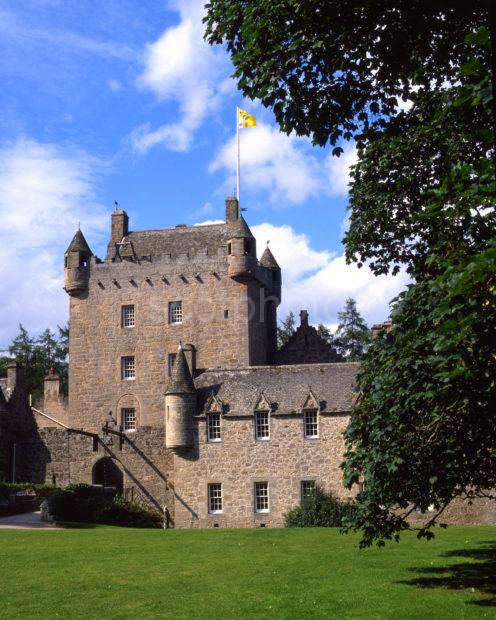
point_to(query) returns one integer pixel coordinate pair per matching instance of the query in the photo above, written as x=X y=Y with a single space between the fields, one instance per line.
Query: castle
x=178 y=395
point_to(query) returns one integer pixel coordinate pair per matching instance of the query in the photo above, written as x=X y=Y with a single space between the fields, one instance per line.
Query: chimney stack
x=232 y=209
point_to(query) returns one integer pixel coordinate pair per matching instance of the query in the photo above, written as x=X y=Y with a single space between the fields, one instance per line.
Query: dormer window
x=311 y=424
x=262 y=426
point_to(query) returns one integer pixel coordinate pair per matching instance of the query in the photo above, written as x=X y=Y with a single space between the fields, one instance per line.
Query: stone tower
x=180 y=406
x=77 y=265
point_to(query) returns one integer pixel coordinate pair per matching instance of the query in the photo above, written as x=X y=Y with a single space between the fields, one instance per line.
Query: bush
x=91 y=504
x=319 y=509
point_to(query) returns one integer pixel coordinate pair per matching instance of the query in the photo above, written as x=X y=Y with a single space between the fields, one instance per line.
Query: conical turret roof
x=181 y=381
x=268 y=260
x=239 y=228
x=79 y=244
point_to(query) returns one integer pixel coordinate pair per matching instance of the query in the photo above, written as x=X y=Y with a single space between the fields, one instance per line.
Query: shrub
x=91 y=504
x=40 y=490
x=319 y=509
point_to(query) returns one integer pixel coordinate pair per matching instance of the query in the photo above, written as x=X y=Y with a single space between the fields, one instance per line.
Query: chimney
x=14 y=376
x=51 y=388
x=232 y=209
x=120 y=226
x=303 y=318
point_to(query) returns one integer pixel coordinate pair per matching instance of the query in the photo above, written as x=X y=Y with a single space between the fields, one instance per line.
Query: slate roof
x=179 y=240
x=240 y=228
x=181 y=381
x=79 y=244
x=268 y=260
x=287 y=386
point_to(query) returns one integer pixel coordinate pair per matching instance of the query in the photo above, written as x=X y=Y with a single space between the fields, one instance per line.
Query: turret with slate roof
x=269 y=262
x=180 y=406
x=77 y=265
x=241 y=251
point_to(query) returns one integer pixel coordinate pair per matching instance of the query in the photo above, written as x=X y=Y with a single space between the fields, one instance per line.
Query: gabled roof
x=268 y=260
x=240 y=228
x=181 y=381
x=79 y=244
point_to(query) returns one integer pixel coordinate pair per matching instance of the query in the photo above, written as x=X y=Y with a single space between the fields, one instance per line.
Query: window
x=261 y=497
x=215 y=498
x=175 y=312
x=213 y=427
x=128 y=416
x=226 y=314
x=127 y=316
x=128 y=367
x=310 y=422
x=170 y=363
x=306 y=488
x=229 y=248
x=247 y=247
x=262 y=429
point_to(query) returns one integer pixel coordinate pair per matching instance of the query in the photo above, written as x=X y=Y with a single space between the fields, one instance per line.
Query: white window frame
x=215 y=503
x=262 y=425
x=175 y=312
x=128 y=316
x=131 y=412
x=214 y=427
x=309 y=424
x=306 y=488
x=261 y=497
x=128 y=368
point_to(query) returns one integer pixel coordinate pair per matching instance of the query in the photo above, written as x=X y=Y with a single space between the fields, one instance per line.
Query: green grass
x=107 y=572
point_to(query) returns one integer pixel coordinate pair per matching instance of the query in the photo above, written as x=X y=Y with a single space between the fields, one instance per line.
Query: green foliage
x=84 y=503
x=321 y=66
x=286 y=330
x=319 y=509
x=325 y=333
x=39 y=354
x=352 y=335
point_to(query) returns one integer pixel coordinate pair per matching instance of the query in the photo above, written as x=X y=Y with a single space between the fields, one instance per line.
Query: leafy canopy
x=352 y=335
x=332 y=69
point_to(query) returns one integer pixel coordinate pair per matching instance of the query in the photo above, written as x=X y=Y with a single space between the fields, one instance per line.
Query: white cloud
x=320 y=281
x=273 y=162
x=287 y=167
x=180 y=66
x=44 y=192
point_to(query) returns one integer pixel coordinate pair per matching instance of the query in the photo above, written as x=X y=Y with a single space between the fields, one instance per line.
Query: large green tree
x=286 y=330
x=422 y=199
x=333 y=69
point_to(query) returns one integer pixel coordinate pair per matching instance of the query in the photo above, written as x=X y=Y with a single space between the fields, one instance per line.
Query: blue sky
x=122 y=100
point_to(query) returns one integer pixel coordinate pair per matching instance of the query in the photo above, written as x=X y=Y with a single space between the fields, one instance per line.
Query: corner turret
x=180 y=406
x=241 y=251
x=269 y=262
x=77 y=265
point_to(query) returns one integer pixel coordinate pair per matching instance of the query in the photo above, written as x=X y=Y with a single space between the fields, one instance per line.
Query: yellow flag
x=245 y=119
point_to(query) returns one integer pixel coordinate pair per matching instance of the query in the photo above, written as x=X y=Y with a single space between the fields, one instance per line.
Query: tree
x=352 y=335
x=39 y=355
x=325 y=333
x=424 y=430
x=286 y=330
x=335 y=69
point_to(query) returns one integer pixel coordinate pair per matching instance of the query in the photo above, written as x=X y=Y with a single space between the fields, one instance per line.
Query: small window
x=310 y=422
x=261 y=497
x=175 y=312
x=128 y=416
x=226 y=314
x=262 y=428
x=306 y=488
x=128 y=368
x=213 y=427
x=247 y=247
x=215 y=498
x=171 y=361
x=229 y=248
x=127 y=316
x=83 y=260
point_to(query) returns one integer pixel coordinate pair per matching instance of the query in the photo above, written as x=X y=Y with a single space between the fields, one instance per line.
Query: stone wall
x=239 y=460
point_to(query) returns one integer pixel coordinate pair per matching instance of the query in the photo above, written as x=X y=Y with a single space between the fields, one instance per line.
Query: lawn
x=107 y=572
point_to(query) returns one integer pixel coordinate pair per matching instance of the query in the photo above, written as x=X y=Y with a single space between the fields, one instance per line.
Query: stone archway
x=107 y=473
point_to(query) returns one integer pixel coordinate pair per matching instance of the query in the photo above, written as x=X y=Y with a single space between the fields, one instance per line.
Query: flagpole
x=237 y=165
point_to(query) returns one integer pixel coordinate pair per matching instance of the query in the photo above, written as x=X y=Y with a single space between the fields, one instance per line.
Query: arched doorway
x=108 y=474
